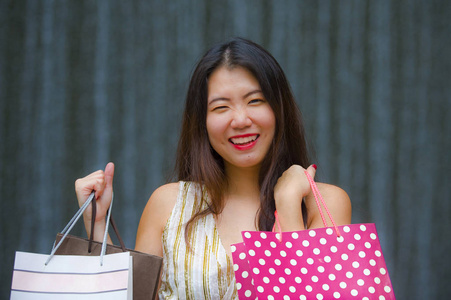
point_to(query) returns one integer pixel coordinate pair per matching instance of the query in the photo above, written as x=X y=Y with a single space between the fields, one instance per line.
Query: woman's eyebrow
x=227 y=99
x=252 y=92
x=218 y=99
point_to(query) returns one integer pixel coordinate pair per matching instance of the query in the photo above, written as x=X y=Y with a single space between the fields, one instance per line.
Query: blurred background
x=83 y=83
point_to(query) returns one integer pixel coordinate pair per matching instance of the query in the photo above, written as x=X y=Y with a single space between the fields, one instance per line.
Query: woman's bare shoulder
x=165 y=195
x=162 y=201
x=337 y=201
x=154 y=217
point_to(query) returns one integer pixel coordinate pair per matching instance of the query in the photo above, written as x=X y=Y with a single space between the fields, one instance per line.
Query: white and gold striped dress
x=205 y=271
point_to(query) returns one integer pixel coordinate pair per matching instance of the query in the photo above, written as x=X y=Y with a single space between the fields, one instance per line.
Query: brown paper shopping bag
x=73 y=253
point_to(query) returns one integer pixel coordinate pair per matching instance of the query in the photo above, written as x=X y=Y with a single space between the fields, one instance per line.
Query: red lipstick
x=240 y=142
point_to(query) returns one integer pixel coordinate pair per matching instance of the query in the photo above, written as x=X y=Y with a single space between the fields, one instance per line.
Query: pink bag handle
x=318 y=198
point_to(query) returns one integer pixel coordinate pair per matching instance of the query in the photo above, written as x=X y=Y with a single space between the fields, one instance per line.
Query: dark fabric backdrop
x=87 y=82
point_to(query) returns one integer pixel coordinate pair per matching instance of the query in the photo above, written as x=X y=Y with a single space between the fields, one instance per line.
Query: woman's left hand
x=291 y=187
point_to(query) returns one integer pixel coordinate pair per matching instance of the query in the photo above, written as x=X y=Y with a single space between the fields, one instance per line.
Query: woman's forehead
x=230 y=81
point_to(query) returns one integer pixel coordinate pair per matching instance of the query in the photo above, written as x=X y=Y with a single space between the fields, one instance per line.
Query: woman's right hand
x=289 y=192
x=102 y=183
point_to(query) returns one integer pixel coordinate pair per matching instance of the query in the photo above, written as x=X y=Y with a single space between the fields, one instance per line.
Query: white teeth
x=243 y=140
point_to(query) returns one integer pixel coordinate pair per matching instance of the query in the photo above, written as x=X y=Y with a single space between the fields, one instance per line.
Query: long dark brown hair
x=197 y=161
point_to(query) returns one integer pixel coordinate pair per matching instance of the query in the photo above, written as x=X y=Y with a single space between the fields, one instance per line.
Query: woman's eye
x=254 y=101
x=219 y=107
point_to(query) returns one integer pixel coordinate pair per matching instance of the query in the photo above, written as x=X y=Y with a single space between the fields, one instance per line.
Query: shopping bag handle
x=74 y=220
x=318 y=199
x=113 y=225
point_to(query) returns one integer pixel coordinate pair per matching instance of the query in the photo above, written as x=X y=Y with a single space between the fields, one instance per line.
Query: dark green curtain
x=87 y=82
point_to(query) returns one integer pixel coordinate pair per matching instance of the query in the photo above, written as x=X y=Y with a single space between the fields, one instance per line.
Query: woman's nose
x=241 y=119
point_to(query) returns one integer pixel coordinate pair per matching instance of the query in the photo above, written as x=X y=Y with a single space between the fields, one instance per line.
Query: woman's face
x=240 y=122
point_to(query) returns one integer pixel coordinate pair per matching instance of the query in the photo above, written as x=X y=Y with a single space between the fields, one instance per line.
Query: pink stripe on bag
x=69 y=283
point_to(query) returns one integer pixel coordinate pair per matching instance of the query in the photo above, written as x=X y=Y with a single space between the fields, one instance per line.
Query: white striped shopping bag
x=72 y=277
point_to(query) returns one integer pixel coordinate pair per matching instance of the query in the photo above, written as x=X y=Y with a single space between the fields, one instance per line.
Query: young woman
x=241 y=155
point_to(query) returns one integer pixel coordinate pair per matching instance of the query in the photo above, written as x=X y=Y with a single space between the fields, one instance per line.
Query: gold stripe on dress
x=189 y=253
x=166 y=285
x=216 y=244
x=179 y=236
x=192 y=199
x=206 y=268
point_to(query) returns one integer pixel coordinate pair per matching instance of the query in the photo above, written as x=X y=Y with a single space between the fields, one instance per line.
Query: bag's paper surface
x=72 y=277
x=146 y=267
x=312 y=264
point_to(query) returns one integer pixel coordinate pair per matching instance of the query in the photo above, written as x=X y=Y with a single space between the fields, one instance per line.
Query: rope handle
x=72 y=223
x=318 y=199
x=112 y=223
x=317 y=195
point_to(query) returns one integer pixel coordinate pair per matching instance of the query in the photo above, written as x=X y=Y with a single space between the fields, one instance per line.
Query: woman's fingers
x=293 y=183
x=312 y=170
x=100 y=181
x=105 y=195
x=99 y=185
x=93 y=182
x=109 y=174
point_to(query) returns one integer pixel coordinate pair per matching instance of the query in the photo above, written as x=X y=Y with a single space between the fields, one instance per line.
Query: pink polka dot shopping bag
x=339 y=262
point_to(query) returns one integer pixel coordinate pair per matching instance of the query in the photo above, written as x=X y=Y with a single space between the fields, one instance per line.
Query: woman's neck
x=242 y=184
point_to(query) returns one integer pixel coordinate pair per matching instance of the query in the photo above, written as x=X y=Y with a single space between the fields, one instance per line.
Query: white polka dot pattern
x=312 y=264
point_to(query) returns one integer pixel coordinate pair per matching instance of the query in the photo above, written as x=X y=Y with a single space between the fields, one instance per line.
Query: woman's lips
x=243 y=139
x=244 y=142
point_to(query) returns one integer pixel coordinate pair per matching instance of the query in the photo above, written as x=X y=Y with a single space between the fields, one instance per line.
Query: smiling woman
x=240 y=122
x=242 y=154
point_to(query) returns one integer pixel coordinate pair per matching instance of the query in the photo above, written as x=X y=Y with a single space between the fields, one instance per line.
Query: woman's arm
x=154 y=219
x=338 y=203
x=289 y=191
x=102 y=183
x=293 y=186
